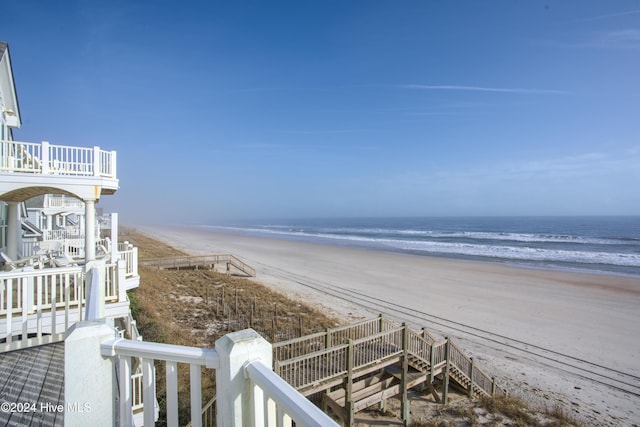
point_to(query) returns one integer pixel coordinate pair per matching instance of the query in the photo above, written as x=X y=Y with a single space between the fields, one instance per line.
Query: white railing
x=136 y=393
x=43 y=303
x=72 y=246
x=50 y=159
x=38 y=306
x=150 y=352
x=274 y=399
x=62 y=201
x=129 y=254
x=20 y=156
x=265 y=400
x=29 y=249
x=62 y=234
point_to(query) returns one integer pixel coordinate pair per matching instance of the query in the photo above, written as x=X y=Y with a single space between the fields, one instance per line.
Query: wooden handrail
x=421 y=345
x=198 y=260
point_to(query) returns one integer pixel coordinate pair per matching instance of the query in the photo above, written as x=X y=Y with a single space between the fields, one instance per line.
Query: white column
x=89 y=230
x=114 y=237
x=13 y=230
x=89 y=378
x=234 y=407
x=45 y=157
x=95 y=282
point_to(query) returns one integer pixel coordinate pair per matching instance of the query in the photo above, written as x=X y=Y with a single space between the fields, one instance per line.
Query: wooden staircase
x=359 y=365
x=200 y=261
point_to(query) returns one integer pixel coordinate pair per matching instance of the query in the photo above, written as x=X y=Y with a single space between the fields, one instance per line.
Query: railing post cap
x=80 y=326
x=246 y=340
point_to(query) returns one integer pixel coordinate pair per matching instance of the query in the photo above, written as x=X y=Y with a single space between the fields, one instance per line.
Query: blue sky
x=236 y=110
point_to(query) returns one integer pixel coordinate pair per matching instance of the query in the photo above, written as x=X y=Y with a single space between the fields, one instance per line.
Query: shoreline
x=376 y=246
x=588 y=317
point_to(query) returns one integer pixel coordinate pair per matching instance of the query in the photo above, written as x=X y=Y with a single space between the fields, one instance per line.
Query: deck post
x=89 y=230
x=235 y=407
x=89 y=378
x=381 y=322
x=470 y=391
x=348 y=397
x=44 y=155
x=404 y=405
x=95 y=282
x=114 y=163
x=432 y=362
x=235 y=309
x=121 y=268
x=445 y=391
x=493 y=386
x=96 y=161
x=327 y=339
x=425 y=345
x=14 y=229
x=115 y=248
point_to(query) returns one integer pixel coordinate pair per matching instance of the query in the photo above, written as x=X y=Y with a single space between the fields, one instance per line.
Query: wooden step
x=359 y=385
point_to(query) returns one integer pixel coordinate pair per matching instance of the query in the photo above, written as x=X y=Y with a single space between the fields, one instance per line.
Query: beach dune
x=553 y=337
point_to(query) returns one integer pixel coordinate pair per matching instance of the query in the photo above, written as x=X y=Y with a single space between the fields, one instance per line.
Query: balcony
x=44 y=158
x=25 y=164
x=54 y=203
x=37 y=306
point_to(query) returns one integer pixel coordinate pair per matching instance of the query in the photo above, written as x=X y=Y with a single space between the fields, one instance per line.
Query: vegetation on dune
x=196 y=307
x=493 y=411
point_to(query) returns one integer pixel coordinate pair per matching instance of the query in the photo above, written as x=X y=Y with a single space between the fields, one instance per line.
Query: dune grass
x=194 y=307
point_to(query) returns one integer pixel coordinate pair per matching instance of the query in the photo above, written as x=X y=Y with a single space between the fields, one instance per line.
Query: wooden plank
x=33 y=375
x=378 y=397
x=373 y=389
x=316 y=387
x=335 y=408
x=339 y=393
x=434 y=393
x=378 y=364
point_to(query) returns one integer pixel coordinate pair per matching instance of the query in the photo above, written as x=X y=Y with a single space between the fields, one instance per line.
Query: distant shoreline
x=595 y=269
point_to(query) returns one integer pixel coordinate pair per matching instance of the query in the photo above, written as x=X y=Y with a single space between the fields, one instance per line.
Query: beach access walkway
x=355 y=366
x=200 y=261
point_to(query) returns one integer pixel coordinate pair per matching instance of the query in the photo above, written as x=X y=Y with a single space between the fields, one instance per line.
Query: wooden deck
x=200 y=261
x=32 y=380
x=359 y=365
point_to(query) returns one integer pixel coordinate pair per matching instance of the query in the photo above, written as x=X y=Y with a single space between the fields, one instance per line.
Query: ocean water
x=592 y=244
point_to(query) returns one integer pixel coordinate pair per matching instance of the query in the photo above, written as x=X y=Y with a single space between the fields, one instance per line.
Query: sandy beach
x=553 y=338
